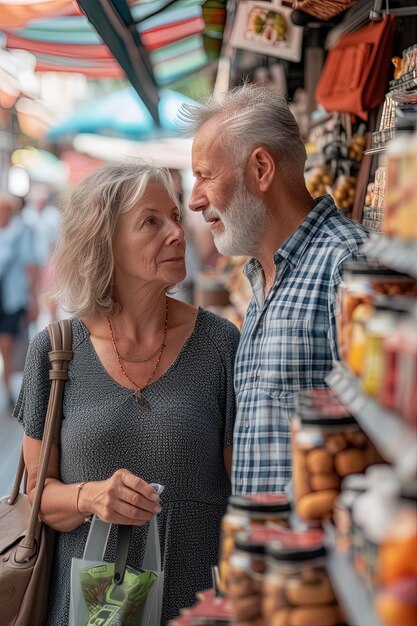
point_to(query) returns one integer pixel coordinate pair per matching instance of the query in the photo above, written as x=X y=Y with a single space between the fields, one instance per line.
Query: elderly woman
x=150 y=392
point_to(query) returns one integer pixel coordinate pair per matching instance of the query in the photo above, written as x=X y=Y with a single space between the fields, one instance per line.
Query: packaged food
x=319 y=181
x=344 y=192
x=396 y=600
x=378 y=328
x=362 y=280
x=400 y=214
x=373 y=514
x=327 y=445
x=406 y=392
x=247 y=567
x=297 y=589
x=352 y=486
x=398 y=307
x=244 y=513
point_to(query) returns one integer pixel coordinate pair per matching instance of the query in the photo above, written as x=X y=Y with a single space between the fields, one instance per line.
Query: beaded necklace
x=138 y=390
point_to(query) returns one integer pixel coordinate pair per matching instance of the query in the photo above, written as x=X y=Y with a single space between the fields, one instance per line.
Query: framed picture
x=266 y=28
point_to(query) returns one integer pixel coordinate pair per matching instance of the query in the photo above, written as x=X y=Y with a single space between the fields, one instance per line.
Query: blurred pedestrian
x=43 y=216
x=18 y=283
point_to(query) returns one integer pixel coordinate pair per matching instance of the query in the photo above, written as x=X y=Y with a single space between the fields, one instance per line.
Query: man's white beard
x=243 y=223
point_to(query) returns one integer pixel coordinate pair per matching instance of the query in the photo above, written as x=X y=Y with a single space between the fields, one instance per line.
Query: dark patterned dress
x=177 y=440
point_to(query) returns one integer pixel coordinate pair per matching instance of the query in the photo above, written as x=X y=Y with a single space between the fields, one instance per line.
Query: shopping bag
x=98 y=596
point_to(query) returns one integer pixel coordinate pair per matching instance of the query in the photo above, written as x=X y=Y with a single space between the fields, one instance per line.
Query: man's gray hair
x=248 y=117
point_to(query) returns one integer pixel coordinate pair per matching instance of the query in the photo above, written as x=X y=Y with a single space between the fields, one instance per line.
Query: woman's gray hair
x=249 y=116
x=82 y=260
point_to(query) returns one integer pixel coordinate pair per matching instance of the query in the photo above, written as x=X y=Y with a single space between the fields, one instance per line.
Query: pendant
x=139 y=397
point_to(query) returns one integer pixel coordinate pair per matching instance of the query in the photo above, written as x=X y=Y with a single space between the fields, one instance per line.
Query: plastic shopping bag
x=98 y=598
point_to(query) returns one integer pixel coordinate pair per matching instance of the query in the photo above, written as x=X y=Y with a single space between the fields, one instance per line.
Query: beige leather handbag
x=26 y=544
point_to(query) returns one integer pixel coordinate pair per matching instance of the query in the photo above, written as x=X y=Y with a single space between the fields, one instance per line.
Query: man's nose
x=198 y=200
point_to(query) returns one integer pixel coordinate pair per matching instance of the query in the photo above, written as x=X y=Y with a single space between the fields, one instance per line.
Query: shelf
x=350 y=590
x=396 y=441
x=395 y=253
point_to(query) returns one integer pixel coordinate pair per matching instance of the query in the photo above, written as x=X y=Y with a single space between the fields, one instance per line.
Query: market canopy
x=123 y=114
x=152 y=42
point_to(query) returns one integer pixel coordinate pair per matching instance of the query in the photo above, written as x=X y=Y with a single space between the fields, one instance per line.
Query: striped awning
x=178 y=37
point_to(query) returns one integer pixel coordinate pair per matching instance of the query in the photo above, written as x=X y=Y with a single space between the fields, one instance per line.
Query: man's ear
x=261 y=168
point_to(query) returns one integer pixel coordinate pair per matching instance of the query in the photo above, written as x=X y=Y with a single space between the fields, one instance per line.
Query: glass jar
x=397 y=552
x=211 y=611
x=352 y=487
x=406 y=392
x=327 y=446
x=297 y=589
x=362 y=280
x=247 y=568
x=244 y=513
x=372 y=513
x=377 y=329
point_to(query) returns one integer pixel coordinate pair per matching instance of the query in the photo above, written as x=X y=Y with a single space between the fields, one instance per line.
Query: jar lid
x=303 y=549
x=255 y=540
x=261 y=503
x=331 y=415
x=371 y=268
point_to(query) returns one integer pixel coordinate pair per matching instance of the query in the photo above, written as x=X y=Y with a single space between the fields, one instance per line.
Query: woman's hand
x=121 y=499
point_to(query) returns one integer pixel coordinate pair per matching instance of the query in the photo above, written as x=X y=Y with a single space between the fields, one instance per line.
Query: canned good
x=244 y=513
x=297 y=589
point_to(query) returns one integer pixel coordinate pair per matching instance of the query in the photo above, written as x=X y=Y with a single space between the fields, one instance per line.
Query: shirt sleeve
x=229 y=401
x=32 y=403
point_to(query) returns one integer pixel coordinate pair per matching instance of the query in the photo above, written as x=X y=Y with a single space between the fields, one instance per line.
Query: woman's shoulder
x=42 y=343
x=219 y=326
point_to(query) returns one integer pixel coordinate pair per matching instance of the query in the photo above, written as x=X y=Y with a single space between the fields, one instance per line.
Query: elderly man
x=248 y=160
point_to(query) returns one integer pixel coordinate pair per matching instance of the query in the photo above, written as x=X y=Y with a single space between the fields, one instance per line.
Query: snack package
x=110 y=604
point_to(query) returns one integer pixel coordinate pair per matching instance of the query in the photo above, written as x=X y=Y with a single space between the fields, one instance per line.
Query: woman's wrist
x=80 y=502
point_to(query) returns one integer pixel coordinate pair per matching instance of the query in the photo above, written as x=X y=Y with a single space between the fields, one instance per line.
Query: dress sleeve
x=229 y=354
x=32 y=403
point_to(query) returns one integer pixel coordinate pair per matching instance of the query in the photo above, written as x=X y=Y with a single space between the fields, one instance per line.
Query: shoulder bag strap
x=60 y=356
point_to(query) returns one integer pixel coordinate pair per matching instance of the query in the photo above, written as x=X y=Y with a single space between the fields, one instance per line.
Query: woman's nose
x=176 y=233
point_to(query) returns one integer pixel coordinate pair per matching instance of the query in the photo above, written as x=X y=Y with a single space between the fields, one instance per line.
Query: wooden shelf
x=395 y=440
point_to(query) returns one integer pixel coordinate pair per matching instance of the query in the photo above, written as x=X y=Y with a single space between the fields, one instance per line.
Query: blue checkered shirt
x=288 y=343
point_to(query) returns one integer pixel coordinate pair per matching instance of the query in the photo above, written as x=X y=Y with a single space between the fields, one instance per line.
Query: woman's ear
x=262 y=168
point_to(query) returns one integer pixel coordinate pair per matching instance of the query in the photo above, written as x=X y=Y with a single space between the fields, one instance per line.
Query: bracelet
x=79 y=487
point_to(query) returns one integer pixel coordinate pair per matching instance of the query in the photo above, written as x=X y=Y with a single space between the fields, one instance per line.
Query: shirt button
x=247 y=426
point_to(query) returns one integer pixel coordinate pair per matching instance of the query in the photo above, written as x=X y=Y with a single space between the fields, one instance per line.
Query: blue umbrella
x=123 y=114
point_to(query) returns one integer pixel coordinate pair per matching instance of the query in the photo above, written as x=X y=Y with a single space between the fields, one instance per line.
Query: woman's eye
x=151 y=221
x=177 y=218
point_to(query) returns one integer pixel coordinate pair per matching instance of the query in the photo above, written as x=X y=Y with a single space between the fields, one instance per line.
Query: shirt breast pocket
x=285 y=359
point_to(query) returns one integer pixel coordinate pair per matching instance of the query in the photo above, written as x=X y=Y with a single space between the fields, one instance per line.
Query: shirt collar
x=292 y=250
x=294 y=247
